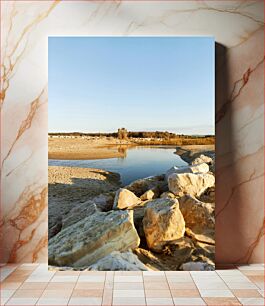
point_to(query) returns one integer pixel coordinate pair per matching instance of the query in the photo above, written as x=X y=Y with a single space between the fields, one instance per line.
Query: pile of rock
x=165 y=222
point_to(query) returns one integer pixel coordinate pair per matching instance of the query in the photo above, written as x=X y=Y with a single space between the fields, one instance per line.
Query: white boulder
x=202 y=159
x=92 y=238
x=198 y=168
x=193 y=184
x=162 y=223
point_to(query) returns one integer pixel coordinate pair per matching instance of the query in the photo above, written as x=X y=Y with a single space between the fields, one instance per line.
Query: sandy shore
x=69 y=186
x=78 y=176
x=108 y=147
x=93 y=148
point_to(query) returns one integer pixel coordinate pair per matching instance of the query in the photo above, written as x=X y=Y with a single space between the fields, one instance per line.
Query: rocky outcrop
x=208 y=195
x=189 y=153
x=71 y=186
x=93 y=238
x=202 y=159
x=210 y=160
x=55 y=226
x=181 y=248
x=125 y=199
x=204 y=252
x=199 y=219
x=117 y=261
x=173 y=215
x=196 y=213
x=140 y=186
x=188 y=250
x=138 y=215
x=78 y=213
x=104 y=201
x=206 y=236
x=162 y=223
x=198 y=168
x=150 y=194
x=190 y=183
x=167 y=194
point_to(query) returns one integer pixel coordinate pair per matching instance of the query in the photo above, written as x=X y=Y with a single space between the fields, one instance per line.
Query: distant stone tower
x=122 y=133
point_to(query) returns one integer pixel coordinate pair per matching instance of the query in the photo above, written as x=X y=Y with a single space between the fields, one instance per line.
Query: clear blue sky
x=98 y=84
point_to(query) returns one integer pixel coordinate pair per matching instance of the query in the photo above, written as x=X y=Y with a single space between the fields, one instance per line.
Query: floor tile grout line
x=111 y=289
x=228 y=288
x=164 y=275
x=9 y=297
x=13 y=271
x=74 y=288
x=235 y=276
x=169 y=289
x=68 y=299
x=145 y=298
x=222 y=304
x=113 y=282
x=15 y=290
x=249 y=281
x=102 y=295
x=144 y=290
x=37 y=266
x=238 y=300
x=104 y=288
x=76 y=282
x=210 y=289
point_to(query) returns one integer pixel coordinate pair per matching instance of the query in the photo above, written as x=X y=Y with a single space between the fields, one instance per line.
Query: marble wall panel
x=238 y=27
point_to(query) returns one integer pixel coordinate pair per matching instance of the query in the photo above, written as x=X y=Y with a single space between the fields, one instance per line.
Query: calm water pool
x=139 y=162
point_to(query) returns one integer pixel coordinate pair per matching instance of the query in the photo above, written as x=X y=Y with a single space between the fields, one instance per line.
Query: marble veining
x=238 y=27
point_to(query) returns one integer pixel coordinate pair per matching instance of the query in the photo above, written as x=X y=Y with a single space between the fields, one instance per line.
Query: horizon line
x=140 y=131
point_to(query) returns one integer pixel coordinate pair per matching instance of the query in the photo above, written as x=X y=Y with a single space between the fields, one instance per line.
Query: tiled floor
x=33 y=284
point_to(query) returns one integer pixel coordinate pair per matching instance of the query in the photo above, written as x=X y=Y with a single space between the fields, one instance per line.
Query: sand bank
x=93 y=148
x=110 y=147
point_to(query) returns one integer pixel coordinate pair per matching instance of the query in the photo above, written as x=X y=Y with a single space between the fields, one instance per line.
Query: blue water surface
x=139 y=162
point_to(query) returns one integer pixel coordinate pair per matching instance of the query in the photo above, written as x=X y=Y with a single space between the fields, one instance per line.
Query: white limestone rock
x=193 y=184
x=162 y=223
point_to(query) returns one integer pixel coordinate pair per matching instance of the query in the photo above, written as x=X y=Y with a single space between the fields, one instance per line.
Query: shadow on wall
x=230 y=221
x=221 y=104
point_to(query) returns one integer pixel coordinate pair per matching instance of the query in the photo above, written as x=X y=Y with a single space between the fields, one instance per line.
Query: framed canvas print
x=131 y=153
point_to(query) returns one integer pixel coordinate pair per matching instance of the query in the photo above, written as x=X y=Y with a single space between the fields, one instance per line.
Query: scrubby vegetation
x=180 y=141
x=148 y=138
x=122 y=133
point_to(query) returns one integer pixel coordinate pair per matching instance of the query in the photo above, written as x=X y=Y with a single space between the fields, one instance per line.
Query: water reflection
x=123 y=151
x=135 y=163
